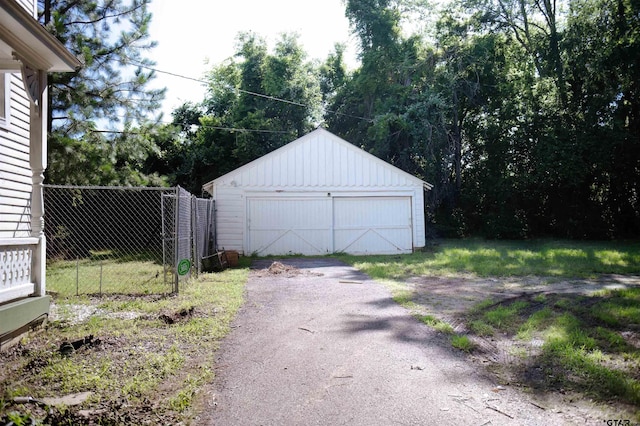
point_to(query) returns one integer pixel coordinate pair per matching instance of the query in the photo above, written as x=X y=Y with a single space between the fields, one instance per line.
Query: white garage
x=316 y=195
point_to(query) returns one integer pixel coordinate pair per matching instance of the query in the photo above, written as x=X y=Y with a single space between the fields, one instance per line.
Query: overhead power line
x=229 y=129
x=262 y=95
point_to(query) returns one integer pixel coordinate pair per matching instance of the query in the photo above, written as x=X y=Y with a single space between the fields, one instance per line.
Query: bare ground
x=452 y=296
x=512 y=361
x=24 y=364
x=448 y=298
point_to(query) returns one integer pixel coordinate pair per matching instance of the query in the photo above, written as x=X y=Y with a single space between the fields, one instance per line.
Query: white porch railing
x=16 y=265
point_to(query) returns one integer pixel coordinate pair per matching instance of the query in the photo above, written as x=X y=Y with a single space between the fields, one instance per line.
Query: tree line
x=523 y=114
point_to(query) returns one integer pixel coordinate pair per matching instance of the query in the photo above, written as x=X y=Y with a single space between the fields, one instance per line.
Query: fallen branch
x=499 y=411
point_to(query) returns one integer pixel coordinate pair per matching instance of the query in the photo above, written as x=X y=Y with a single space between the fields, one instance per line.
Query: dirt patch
x=73 y=314
x=519 y=362
x=139 y=366
x=284 y=270
x=111 y=413
x=177 y=316
x=451 y=296
x=31 y=363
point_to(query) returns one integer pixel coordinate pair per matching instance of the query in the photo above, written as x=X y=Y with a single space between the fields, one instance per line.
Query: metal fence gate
x=124 y=240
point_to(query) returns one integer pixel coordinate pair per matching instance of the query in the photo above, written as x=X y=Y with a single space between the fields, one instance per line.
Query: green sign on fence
x=184 y=266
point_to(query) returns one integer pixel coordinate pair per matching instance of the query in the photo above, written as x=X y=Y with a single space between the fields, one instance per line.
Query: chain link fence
x=122 y=240
x=204 y=230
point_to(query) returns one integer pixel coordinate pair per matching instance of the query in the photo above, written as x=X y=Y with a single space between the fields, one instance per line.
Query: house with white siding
x=318 y=195
x=27 y=53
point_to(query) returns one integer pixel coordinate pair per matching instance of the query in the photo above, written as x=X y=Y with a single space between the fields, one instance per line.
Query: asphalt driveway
x=323 y=344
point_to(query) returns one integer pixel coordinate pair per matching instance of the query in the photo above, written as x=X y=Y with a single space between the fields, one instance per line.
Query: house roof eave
x=31 y=43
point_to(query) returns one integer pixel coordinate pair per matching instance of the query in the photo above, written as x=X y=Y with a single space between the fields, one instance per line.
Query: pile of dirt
x=288 y=271
x=278 y=268
x=176 y=316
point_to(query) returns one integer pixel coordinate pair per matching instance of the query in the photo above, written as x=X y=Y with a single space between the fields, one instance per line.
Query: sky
x=194 y=35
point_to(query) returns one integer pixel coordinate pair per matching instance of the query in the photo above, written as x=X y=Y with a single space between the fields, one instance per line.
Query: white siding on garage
x=318 y=160
x=15 y=169
x=419 y=231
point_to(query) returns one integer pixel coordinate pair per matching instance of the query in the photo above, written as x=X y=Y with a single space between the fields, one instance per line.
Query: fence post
x=213 y=233
x=77 y=275
x=176 y=240
x=192 y=234
x=164 y=239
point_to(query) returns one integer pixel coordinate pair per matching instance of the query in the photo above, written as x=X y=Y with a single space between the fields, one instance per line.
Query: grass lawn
x=67 y=278
x=586 y=343
x=146 y=362
x=565 y=259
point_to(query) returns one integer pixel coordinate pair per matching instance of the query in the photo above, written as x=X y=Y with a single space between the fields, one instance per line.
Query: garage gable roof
x=317 y=159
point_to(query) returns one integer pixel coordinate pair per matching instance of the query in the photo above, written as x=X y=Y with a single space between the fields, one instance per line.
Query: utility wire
x=273 y=98
x=235 y=129
x=229 y=129
x=205 y=126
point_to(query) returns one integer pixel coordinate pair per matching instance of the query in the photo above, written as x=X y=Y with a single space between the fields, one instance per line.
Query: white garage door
x=317 y=226
x=373 y=225
x=289 y=226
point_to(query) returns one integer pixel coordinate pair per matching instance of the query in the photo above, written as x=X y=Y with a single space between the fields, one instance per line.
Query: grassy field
x=146 y=359
x=563 y=259
x=559 y=341
x=67 y=278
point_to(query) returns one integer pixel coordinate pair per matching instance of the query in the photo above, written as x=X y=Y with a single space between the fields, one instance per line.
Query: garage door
x=317 y=226
x=372 y=225
x=289 y=226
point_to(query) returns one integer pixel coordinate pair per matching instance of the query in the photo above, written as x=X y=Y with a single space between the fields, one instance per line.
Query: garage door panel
x=287 y=214
x=372 y=212
x=373 y=242
x=283 y=226
x=365 y=225
x=312 y=226
x=290 y=242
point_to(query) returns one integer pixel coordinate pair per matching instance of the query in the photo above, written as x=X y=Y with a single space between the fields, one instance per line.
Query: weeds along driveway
x=321 y=343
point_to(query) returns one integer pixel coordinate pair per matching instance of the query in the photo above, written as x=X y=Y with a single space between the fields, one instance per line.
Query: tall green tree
x=333 y=74
x=256 y=102
x=395 y=105
x=367 y=108
x=98 y=115
x=602 y=47
x=552 y=148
